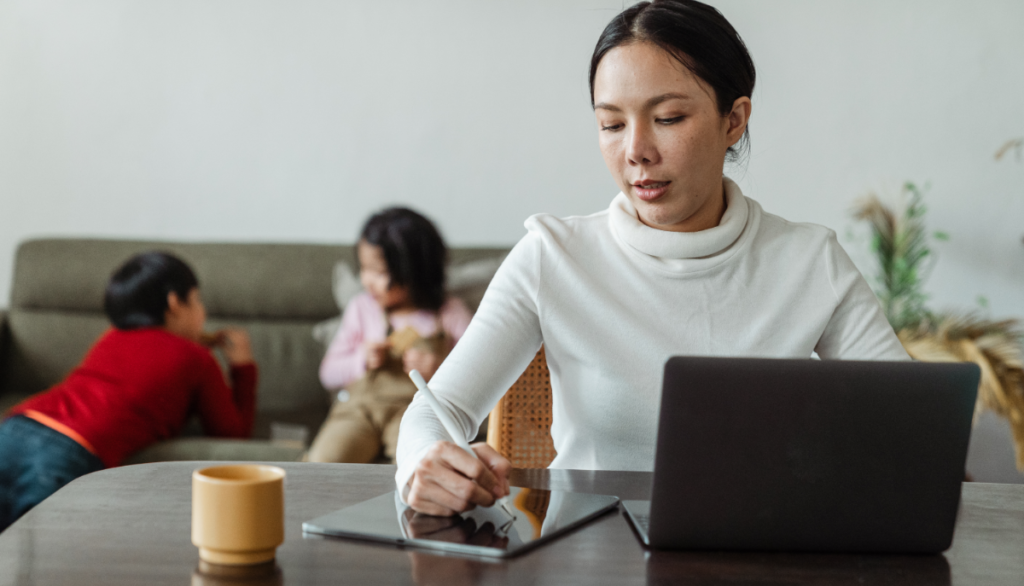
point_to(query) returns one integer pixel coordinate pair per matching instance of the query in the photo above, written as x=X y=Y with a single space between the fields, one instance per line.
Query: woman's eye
x=611 y=127
x=668 y=121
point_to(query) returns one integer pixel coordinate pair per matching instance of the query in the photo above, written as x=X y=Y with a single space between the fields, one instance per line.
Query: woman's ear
x=737 y=119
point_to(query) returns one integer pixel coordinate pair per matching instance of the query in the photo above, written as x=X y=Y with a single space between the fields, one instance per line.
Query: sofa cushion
x=44 y=346
x=237 y=280
x=468 y=278
x=183 y=449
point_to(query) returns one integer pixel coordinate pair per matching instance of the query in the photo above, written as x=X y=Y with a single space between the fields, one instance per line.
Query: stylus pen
x=449 y=425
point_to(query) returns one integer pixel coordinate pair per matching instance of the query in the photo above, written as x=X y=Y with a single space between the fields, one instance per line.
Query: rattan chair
x=519 y=427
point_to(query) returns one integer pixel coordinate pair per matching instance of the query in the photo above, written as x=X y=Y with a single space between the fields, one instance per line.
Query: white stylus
x=449 y=425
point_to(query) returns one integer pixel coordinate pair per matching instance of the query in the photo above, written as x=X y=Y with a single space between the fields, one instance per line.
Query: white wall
x=292 y=120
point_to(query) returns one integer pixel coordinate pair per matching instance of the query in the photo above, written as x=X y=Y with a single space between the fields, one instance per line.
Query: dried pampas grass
x=900 y=244
x=995 y=346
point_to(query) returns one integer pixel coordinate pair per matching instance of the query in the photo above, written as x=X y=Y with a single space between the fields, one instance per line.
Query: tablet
x=540 y=515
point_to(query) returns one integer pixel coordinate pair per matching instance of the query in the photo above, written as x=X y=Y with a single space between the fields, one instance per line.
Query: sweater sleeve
x=858 y=329
x=227 y=411
x=345 y=360
x=498 y=344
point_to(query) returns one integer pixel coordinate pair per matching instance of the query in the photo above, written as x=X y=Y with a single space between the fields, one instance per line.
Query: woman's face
x=663 y=138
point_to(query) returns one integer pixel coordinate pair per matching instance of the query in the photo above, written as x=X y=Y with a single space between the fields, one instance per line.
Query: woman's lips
x=651 y=190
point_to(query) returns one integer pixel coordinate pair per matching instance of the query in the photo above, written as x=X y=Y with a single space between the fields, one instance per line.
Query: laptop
x=808 y=455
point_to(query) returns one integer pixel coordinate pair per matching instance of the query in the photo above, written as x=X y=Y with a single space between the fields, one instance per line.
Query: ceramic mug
x=238 y=513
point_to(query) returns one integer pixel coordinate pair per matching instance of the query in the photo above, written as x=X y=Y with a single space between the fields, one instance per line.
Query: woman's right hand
x=376 y=354
x=448 y=480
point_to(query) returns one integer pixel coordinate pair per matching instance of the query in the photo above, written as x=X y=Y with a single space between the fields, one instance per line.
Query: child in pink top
x=363 y=330
x=404 y=320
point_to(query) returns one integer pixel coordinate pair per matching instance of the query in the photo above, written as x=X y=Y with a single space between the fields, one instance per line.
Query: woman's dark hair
x=136 y=296
x=414 y=252
x=699 y=37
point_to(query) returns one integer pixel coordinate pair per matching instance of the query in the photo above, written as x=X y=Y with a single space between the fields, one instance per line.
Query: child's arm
x=346 y=357
x=229 y=411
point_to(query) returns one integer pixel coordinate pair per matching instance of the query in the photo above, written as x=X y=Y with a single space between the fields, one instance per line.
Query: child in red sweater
x=137 y=385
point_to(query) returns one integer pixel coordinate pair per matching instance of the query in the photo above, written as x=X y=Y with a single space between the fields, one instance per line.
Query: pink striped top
x=363 y=321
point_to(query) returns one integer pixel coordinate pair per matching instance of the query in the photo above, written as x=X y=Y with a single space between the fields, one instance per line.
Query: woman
x=681 y=263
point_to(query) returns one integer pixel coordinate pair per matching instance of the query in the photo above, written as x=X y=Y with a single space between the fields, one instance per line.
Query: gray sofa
x=278 y=292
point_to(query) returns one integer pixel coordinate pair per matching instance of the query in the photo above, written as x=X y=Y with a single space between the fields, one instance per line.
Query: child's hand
x=425 y=361
x=211 y=339
x=235 y=344
x=376 y=354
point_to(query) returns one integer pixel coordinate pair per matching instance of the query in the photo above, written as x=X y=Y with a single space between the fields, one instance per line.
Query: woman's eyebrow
x=648 y=104
x=664 y=98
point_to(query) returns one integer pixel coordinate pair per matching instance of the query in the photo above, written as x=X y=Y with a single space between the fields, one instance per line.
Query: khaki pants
x=356 y=430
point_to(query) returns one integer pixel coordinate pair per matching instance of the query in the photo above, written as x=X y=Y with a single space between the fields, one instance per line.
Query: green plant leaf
x=899 y=242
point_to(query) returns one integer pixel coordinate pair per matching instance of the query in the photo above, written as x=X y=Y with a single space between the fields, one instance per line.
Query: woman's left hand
x=422 y=360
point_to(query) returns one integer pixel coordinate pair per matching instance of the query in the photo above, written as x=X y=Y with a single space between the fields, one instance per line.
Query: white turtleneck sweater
x=612 y=299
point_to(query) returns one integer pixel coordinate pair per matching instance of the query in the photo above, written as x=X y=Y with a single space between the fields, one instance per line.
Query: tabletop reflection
x=455 y=529
x=431 y=569
x=268 y=574
x=780 y=568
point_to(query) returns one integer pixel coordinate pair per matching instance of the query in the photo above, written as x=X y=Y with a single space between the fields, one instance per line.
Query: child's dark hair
x=414 y=252
x=136 y=296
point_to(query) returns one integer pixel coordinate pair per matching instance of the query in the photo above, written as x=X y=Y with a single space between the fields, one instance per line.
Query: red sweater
x=137 y=387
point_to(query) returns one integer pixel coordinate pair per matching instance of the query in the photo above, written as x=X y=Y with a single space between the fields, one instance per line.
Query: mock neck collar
x=662 y=244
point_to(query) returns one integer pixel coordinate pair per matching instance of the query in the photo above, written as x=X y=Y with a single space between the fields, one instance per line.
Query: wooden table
x=130 y=525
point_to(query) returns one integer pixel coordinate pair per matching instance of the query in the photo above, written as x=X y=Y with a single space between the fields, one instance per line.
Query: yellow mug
x=238 y=513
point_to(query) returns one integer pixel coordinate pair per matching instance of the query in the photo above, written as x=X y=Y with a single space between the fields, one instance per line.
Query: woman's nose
x=640 y=148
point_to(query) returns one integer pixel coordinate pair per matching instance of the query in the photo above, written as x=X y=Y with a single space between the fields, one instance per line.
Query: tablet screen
x=539 y=515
